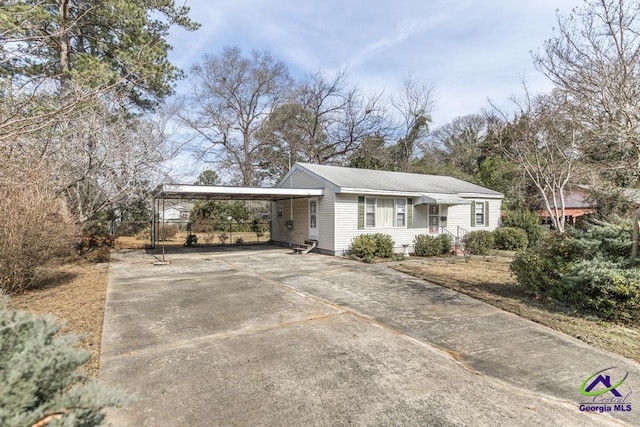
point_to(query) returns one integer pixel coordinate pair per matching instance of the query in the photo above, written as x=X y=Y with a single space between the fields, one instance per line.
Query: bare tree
x=594 y=58
x=323 y=122
x=542 y=138
x=100 y=158
x=232 y=96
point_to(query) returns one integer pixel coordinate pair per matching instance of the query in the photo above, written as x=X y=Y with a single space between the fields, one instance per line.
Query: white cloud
x=470 y=50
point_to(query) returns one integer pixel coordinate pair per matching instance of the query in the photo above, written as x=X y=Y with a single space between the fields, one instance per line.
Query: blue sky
x=470 y=50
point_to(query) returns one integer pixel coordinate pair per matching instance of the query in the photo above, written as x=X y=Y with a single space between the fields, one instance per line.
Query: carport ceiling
x=208 y=192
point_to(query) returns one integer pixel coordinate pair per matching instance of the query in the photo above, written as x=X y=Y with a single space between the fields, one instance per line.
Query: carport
x=208 y=192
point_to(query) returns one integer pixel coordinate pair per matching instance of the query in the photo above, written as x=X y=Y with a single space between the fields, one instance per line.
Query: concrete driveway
x=248 y=336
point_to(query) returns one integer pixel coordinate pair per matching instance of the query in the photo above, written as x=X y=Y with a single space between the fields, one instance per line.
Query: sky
x=469 y=50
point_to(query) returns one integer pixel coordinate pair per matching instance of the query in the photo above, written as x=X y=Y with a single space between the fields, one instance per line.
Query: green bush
x=510 y=238
x=605 y=288
x=540 y=269
x=588 y=270
x=526 y=220
x=479 y=242
x=38 y=373
x=424 y=245
x=383 y=245
x=363 y=246
x=368 y=246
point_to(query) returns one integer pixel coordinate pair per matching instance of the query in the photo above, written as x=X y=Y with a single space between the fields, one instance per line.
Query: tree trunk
x=636 y=233
x=65 y=43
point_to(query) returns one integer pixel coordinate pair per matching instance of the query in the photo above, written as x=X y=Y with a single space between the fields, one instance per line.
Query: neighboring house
x=359 y=201
x=576 y=204
x=176 y=213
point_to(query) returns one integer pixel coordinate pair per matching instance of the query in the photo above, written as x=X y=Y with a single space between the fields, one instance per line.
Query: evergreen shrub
x=527 y=221
x=425 y=245
x=369 y=246
x=383 y=245
x=38 y=373
x=479 y=242
x=589 y=270
x=510 y=238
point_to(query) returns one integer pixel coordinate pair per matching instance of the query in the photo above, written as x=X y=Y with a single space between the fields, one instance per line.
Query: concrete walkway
x=262 y=337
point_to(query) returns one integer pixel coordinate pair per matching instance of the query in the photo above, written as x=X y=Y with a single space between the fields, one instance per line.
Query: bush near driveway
x=368 y=246
x=588 y=270
x=40 y=385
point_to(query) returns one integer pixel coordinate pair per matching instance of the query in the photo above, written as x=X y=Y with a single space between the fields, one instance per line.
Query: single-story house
x=176 y=213
x=577 y=203
x=357 y=201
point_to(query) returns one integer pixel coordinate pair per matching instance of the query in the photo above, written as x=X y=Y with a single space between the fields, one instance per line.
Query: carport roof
x=209 y=192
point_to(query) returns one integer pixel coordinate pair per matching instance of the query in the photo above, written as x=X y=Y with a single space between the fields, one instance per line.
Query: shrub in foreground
x=585 y=270
x=38 y=374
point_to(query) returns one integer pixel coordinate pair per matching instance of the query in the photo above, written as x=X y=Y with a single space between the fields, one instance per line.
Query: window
x=385 y=213
x=313 y=214
x=279 y=208
x=479 y=213
x=371 y=212
x=401 y=212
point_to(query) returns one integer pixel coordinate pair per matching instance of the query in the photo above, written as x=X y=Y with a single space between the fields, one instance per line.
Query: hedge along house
x=359 y=201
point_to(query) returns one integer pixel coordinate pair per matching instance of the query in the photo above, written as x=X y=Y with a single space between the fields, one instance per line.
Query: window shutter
x=486 y=213
x=409 y=213
x=473 y=213
x=360 y=212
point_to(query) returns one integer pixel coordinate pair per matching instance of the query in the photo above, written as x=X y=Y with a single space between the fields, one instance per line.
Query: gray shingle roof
x=352 y=178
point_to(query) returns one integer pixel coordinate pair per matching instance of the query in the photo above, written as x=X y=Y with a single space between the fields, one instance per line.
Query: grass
x=214 y=238
x=488 y=278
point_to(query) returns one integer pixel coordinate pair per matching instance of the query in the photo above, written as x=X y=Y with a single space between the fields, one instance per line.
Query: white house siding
x=347 y=225
x=279 y=232
x=457 y=215
x=170 y=214
x=326 y=218
x=460 y=216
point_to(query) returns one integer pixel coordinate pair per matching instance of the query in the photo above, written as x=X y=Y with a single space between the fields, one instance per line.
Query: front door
x=434 y=219
x=313 y=219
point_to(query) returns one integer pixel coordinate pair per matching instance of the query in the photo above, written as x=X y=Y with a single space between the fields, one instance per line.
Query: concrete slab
x=261 y=337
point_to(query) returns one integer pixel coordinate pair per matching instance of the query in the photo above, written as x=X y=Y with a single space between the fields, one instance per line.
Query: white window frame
x=397 y=213
x=480 y=204
x=368 y=214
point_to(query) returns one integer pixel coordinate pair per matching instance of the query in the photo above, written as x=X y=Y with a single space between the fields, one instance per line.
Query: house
x=577 y=203
x=359 y=201
x=176 y=213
